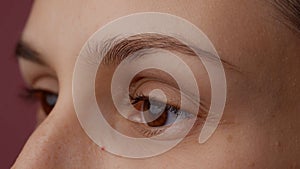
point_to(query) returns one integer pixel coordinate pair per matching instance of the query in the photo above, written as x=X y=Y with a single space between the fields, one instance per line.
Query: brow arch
x=117 y=49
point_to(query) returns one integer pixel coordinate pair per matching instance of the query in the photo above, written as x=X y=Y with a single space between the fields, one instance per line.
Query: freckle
x=252 y=164
x=277 y=144
x=229 y=138
x=293 y=166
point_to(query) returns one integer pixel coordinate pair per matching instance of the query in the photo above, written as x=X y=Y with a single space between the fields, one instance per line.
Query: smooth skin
x=262 y=110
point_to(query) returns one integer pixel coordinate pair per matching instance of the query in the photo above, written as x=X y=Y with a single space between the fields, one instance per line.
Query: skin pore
x=261 y=128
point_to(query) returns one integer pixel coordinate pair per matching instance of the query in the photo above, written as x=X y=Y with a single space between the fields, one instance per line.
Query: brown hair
x=290 y=11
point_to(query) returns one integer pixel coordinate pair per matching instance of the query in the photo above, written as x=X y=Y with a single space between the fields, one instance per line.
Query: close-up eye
x=157 y=116
x=150 y=84
x=46 y=99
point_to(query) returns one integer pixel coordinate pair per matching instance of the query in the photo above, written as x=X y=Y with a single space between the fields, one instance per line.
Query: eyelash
x=42 y=96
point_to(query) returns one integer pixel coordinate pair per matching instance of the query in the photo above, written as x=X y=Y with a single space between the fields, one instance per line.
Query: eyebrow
x=23 y=50
x=117 y=49
x=289 y=11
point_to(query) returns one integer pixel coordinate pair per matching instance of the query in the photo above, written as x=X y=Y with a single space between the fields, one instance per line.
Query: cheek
x=229 y=147
x=246 y=143
x=174 y=159
x=261 y=141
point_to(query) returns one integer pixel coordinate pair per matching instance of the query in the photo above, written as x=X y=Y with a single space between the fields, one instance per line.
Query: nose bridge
x=57 y=141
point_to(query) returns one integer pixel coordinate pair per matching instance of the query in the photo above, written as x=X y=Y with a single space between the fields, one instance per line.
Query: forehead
x=59 y=28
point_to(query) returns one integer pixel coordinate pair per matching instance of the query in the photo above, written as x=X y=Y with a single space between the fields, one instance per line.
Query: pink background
x=16 y=115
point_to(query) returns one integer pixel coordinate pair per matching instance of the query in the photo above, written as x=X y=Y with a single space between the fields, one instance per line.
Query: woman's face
x=260 y=125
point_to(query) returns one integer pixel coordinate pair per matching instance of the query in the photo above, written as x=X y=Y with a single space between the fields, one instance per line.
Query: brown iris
x=157 y=119
x=46 y=99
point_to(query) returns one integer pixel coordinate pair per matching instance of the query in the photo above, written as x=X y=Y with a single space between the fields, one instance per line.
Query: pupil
x=155 y=113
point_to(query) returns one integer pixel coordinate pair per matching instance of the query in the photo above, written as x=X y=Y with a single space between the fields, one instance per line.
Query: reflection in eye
x=47 y=99
x=157 y=115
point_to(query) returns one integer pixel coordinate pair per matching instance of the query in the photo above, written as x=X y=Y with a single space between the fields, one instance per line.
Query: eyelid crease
x=201 y=113
x=203 y=109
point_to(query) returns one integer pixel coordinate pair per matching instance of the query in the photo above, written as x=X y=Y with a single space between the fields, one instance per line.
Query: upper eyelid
x=187 y=96
x=34 y=73
x=147 y=78
x=202 y=108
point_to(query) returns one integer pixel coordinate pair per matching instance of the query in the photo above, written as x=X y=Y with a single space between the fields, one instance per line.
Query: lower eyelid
x=147 y=131
x=168 y=132
x=177 y=130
